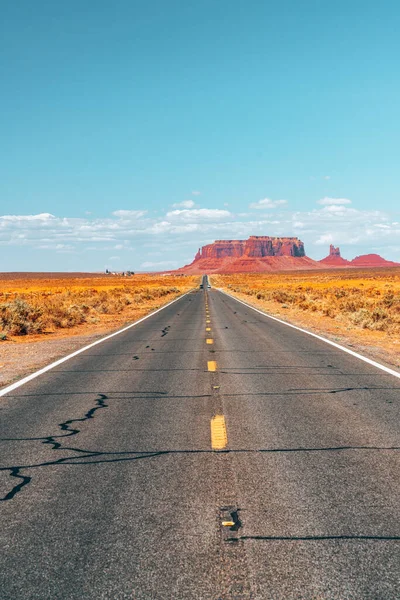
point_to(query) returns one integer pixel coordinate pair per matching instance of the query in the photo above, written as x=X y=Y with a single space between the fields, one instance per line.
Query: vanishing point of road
x=208 y=452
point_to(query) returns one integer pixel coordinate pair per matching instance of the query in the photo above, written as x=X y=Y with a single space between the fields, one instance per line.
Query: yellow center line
x=219 y=438
x=208 y=328
x=211 y=365
x=209 y=341
x=208 y=321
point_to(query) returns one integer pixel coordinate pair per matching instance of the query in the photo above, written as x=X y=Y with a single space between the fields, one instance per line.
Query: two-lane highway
x=208 y=452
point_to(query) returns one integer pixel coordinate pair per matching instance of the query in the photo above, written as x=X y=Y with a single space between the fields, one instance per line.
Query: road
x=206 y=453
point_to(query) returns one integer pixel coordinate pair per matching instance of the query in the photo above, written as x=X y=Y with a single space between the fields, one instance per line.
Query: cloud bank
x=176 y=234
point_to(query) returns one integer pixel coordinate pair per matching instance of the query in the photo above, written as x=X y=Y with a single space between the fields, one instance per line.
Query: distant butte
x=372 y=260
x=265 y=253
x=258 y=253
x=334 y=258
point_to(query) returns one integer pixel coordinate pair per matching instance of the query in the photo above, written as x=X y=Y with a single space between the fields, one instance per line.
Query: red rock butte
x=265 y=253
x=256 y=246
x=334 y=259
x=258 y=253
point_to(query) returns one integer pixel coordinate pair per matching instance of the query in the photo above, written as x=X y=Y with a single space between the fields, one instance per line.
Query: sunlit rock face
x=258 y=253
x=255 y=246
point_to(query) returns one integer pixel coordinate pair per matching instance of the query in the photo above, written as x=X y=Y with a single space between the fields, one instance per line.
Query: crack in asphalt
x=316 y=538
x=15 y=471
x=125 y=456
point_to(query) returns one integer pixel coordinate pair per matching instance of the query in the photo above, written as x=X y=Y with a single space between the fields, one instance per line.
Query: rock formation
x=372 y=260
x=265 y=253
x=334 y=258
x=258 y=253
x=255 y=246
x=334 y=251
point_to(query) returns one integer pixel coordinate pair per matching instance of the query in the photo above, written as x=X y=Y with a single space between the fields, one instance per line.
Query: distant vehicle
x=208 y=286
x=201 y=286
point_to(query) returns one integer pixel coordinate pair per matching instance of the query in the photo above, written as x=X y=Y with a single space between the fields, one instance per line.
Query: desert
x=46 y=315
x=360 y=308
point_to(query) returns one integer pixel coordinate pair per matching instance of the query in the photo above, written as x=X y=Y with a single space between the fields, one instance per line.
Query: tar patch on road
x=230 y=518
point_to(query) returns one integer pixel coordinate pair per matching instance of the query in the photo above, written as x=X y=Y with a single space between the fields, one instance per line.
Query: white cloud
x=324 y=240
x=168 y=264
x=338 y=210
x=344 y=225
x=333 y=201
x=43 y=217
x=177 y=232
x=184 y=204
x=129 y=214
x=327 y=177
x=267 y=203
x=196 y=193
x=199 y=214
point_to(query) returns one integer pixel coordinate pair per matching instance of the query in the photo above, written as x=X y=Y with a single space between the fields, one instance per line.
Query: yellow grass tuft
x=38 y=306
x=364 y=304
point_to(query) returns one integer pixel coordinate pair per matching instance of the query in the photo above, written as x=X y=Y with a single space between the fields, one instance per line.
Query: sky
x=132 y=132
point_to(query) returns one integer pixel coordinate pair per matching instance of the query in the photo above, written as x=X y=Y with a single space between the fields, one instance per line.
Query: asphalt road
x=159 y=465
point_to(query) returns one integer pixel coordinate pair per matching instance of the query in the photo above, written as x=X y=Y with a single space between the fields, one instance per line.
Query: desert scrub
x=359 y=299
x=46 y=307
x=18 y=317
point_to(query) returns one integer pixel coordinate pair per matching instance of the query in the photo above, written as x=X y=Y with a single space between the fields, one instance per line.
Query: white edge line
x=21 y=382
x=319 y=337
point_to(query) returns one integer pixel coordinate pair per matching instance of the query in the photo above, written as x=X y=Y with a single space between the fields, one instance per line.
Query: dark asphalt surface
x=112 y=490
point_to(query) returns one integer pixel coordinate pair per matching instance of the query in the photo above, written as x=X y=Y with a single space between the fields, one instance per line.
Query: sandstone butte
x=265 y=253
x=334 y=259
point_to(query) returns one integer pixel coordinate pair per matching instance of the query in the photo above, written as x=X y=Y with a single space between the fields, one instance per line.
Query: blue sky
x=134 y=132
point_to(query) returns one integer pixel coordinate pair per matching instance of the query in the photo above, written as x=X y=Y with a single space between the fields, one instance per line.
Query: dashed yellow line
x=212 y=365
x=208 y=328
x=219 y=438
x=208 y=321
x=209 y=341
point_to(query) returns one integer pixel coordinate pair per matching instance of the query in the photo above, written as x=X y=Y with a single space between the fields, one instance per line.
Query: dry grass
x=362 y=305
x=37 y=306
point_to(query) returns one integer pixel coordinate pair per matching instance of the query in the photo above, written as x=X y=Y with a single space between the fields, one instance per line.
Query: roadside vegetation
x=47 y=305
x=360 y=304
